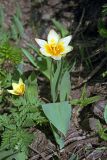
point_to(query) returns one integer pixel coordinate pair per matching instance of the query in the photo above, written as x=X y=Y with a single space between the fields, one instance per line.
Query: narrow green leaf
x=39 y=65
x=60 y=27
x=86 y=101
x=33 y=47
x=1 y=15
x=54 y=83
x=14 y=32
x=29 y=56
x=59 y=139
x=18 y=11
x=105 y=113
x=19 y=25
x=59 y=115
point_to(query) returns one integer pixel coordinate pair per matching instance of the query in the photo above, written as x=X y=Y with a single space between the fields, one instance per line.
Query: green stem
x=51 y=72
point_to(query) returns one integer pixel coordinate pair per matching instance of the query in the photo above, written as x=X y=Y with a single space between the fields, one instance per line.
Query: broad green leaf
x=105 y=113
x=60 y=27
x=59 y=115
x=65 y=87
x=54 y=82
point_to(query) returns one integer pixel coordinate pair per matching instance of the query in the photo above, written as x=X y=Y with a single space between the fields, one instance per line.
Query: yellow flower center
x=54 y=49
x=20 y=89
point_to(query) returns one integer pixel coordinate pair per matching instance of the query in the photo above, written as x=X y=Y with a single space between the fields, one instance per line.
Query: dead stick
x=91 y=74
x=80 y=22
x=35 y=150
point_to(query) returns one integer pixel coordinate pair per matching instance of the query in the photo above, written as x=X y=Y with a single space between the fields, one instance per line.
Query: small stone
x=53 y=2
x=47 y=13
x=93 y=124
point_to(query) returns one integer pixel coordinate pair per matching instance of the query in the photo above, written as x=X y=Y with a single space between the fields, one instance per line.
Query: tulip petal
x=53 y=37
x=12 y=92
x=15 y=85
x=20 y=81
x=42 y=50
x=66 y=40
x=56 y=57
x=40 y=42
x=67 y=49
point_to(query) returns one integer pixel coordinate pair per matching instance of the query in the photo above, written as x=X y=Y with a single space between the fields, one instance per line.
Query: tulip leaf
x=29 y=56
x=65 y=87
x=58 y=114
x=43 y=64
x=60 y=27
x=105 y=113
x=19 y=25
x=54 y=83
x=58 y=137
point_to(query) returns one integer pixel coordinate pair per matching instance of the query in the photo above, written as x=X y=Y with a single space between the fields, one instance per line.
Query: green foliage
x=104 y=74
x=5 y=80
x=18 y=156
x=104 y=10
x=10 y=155
x=25 y=112
x=101 y=24
x=102 y=29
x=10 y=52
x=17 y=139
x=84 y=100
x=102 y=131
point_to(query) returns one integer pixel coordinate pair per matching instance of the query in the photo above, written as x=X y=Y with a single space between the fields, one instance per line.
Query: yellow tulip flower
x=18 y=88
x=55 y=47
